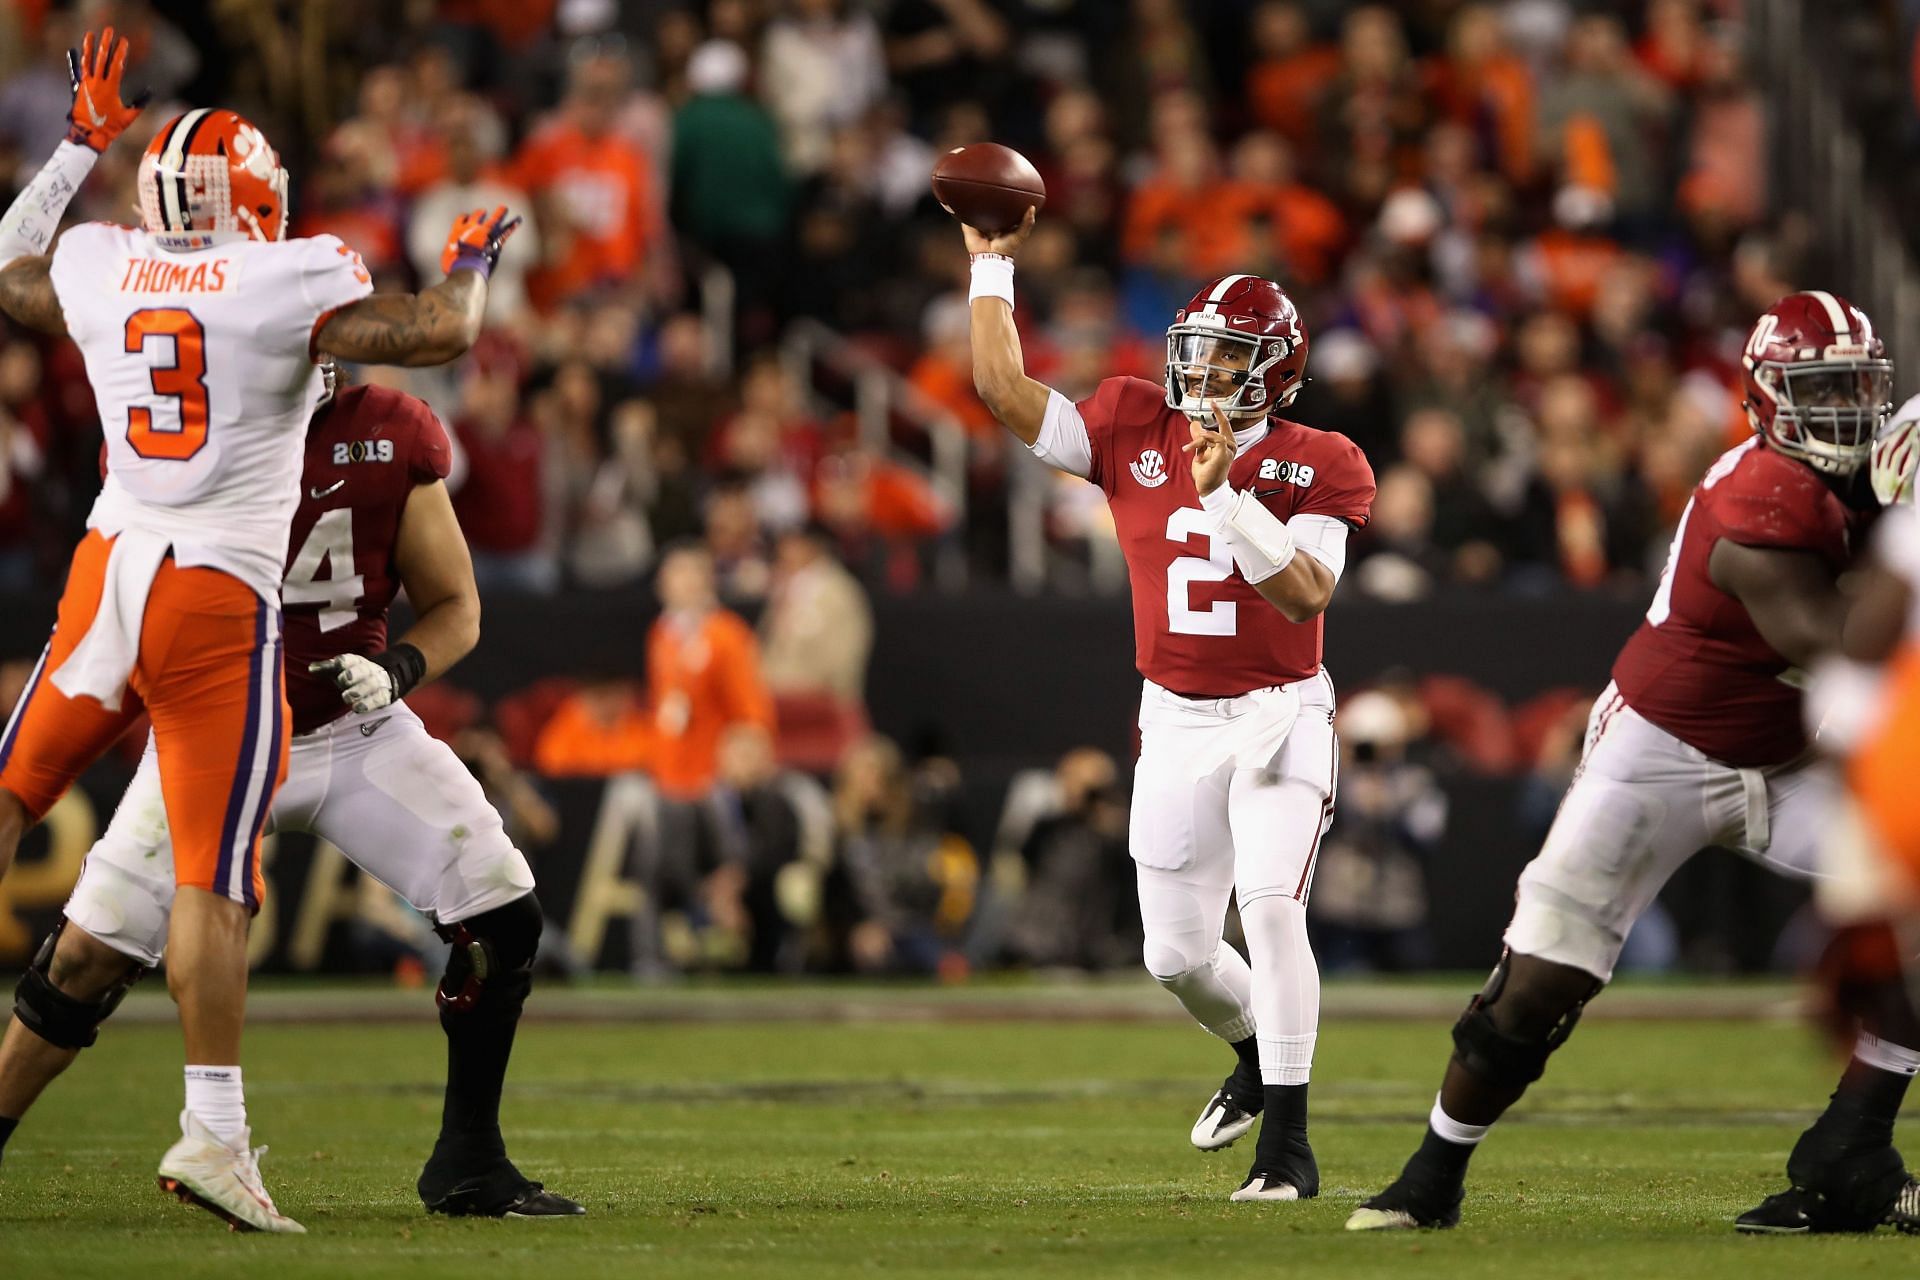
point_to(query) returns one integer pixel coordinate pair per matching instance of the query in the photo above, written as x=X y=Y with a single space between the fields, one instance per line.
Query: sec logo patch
x=1150 y=469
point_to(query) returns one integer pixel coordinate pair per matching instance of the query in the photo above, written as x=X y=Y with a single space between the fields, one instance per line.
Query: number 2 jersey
x=1199 y=628
x=1698 y=667
x=202 y=369
x=366 y=452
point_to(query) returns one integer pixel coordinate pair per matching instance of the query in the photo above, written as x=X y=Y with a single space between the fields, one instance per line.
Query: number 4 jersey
x=1200 y=629
x=366 y=452
x=202 y=369
x=1698 y=667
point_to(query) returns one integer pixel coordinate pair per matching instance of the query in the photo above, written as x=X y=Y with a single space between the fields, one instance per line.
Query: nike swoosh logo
x=368 y=730
x=95 y=116
x=317 y=494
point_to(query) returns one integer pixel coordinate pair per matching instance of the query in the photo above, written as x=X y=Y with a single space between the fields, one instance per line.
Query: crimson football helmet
x=1239 y=332
x=208 y=176
x=1818 y=381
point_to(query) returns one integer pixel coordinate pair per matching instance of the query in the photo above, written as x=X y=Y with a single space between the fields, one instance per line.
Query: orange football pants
x=1885 y=768
x=209 y=673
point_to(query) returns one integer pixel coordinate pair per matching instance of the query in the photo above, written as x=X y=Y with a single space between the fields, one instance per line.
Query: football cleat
x=1227 y=1117
x=1798 y=1211
x=225 y=1181
x=1266 y=1186
x=498 y=1191
x=1905 y=1214
x=1406 y=1205
x=1290 y=1175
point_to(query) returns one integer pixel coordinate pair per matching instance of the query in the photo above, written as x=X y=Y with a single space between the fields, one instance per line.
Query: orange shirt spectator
x=1290 y=73
x=1182 y=195
x=594 y=189
x=599 y=730
x=703 y=672
x=1480 y=80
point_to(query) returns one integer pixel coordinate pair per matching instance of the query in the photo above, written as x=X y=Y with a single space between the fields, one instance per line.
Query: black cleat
x=494 y=1190
x=1228 y=1115
x=1408 y=1204
x=1293 y=1175
x=1798 y=1211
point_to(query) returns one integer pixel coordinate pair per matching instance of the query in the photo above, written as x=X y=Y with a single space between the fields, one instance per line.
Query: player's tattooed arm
x=430 y=327
x=431 y=556
x=27 y=294
x=1792 y=597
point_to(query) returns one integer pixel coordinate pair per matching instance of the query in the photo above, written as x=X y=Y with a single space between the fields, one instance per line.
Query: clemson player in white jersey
x=200 y=330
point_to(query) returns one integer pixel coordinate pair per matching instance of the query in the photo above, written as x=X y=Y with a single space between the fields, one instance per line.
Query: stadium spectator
x=601 y=729
x=703 y=675
x=758 y=830
x=1077 y=909
x=1370 y=897
x=502 y=505
x=472 y=141
x=817 y=630
x=593 y=188
x=822 y=66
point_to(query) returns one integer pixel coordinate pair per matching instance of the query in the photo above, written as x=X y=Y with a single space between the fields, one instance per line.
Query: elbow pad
x=1262 y=544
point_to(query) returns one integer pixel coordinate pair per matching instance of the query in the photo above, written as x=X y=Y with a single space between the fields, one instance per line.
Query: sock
x=217 y=1100
x=1448 y=1144
x=1864 y=1106
x=7 y=1126
x=1286 y=1120
x=1247 y=1072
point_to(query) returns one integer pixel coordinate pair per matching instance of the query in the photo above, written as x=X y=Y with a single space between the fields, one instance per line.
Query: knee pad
x=1499 y=1057
x=492 y=958
x=57 y=1017
x=1169 y=964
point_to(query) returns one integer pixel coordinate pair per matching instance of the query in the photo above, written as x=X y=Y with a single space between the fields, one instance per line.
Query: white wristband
x=992 y=277
x=1261 y=543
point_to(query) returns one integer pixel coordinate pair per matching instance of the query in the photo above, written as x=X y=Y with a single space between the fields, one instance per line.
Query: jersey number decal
x=1662 y=607
x=184 y=380
x=330 y=541
x=1223 y=616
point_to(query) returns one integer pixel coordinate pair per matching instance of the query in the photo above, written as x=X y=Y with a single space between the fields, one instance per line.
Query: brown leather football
x=987 y=186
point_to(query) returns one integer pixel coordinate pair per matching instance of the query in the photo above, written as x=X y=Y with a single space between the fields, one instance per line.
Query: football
x=987 y=186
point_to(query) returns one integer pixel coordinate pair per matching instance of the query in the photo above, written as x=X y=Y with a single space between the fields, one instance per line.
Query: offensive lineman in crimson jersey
x=1232 y=558
x=1698 y=741
x=364 y=774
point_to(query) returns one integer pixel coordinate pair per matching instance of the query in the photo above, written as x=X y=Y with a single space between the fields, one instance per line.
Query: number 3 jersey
x=365 y=454
x=1200 y=629
x=202 y=370
x=1698 y=667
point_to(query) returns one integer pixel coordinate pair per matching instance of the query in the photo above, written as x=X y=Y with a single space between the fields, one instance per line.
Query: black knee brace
x=1498 y=1057
x=492 y=960
x=57 y=1017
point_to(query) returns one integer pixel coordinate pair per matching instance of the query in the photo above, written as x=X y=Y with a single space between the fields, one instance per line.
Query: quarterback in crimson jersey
x=1234 y=524
x=364 y=775
x=1698 y=741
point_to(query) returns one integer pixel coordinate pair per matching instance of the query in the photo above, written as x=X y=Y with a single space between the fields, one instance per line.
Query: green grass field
x=921 y=1135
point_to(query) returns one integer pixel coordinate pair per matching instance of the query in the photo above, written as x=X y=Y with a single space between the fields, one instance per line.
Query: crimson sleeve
x=430 y=453
x=1116 y=406
x=1775 y=502
x=1342 y=485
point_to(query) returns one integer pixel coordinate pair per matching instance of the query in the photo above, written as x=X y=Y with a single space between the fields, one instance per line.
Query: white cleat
x=202 y=1170
x=1258 y=1188
x=1381 y=1220
x=1222 y=1123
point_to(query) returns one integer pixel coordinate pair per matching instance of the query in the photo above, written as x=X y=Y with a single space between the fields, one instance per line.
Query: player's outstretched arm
x=1299 y=586
x=95 y=119
x=435 y=325
x=999 y=366
x=1792 y=597
x=431 y=557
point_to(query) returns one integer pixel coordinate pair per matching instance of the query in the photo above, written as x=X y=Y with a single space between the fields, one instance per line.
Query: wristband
x=992 y=277
x=405 y=665
x=469 y=258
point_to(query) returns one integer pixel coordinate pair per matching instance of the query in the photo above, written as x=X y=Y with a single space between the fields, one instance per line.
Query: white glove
x=1896 y=449
x=365 y=685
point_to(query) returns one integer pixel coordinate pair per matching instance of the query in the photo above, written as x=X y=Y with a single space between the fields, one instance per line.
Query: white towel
x=102 y=663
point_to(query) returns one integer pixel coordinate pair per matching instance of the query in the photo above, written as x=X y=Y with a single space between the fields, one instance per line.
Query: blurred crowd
x=1527 y=236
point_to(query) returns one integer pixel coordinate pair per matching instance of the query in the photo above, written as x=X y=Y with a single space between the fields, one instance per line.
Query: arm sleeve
x=330 y=276
x=1064 y=443
x=1322 y=537
x=28 y=225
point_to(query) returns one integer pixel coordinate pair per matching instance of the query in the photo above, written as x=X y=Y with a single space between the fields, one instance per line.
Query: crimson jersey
x=366 y=451
x=1698 y=667
x=1199 y=628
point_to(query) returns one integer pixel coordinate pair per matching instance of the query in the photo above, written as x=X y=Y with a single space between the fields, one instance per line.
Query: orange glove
x=98 y=115
x=475 y=241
